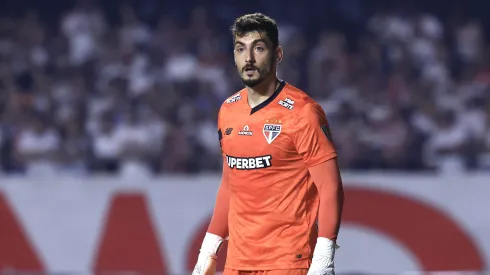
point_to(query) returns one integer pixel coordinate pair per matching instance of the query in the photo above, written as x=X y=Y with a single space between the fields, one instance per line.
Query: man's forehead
x=251 y=37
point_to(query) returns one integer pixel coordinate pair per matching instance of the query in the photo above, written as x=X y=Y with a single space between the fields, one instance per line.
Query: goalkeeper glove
x=323 y=257
x=206 y=261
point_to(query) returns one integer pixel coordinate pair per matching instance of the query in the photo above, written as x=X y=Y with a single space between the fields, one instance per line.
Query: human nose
x=250 y=56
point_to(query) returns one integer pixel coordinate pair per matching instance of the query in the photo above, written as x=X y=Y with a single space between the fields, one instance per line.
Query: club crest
x=271 y=131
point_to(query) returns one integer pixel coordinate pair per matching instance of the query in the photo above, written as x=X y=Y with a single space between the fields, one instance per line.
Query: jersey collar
x=257 y=108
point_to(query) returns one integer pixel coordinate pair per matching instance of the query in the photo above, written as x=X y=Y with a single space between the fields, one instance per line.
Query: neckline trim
x=270 y=99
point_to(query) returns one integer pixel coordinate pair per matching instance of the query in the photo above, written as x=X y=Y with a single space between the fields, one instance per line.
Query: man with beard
x=280 y=200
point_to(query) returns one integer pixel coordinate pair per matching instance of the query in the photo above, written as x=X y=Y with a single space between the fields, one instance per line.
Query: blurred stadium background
x=108 y=147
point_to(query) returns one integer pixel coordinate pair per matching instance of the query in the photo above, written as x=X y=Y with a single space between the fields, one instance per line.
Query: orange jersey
x=273 y=200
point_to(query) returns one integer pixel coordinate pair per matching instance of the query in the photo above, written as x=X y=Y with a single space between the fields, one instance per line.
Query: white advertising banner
x=391 y=224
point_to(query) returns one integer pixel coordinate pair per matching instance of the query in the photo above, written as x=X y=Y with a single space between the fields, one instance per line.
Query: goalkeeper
x=280 y=199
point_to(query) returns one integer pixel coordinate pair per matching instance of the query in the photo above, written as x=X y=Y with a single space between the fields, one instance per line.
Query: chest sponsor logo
x=271 y=131
x=250 y=163
x=234 y=98
x=287 y=103
x=245 y=132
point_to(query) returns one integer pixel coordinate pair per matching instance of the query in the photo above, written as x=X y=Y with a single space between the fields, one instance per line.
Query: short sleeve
x=313 y=139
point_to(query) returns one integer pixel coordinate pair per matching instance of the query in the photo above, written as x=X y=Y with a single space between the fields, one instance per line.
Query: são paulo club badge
x=272 y=129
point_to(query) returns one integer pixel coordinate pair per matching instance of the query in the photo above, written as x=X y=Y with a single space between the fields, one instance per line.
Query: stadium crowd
x=86 y=95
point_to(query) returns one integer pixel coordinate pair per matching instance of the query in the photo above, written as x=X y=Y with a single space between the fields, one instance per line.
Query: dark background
x=134 y=86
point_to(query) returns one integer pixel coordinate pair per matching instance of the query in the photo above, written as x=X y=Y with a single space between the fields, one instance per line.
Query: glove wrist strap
x=325 y=247
x=211 y=244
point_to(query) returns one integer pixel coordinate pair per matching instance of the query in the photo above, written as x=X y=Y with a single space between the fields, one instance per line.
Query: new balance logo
x=249 y=163
x=228 y=131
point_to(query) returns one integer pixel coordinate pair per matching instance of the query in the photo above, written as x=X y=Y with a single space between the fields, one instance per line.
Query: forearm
x=329 y=184
x=219 y=220
x=217 y=230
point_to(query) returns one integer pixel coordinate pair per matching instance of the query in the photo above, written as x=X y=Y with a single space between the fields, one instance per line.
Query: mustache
x=249 y=67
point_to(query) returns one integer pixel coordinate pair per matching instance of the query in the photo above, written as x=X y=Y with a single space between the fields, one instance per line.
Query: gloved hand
x=323 y=257
x=206 y=261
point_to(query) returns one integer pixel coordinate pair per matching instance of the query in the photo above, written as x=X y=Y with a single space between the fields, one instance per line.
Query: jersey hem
x=305 y=264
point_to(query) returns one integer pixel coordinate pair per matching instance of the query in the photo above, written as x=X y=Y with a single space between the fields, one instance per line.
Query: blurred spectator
x=107 y=146
x=75 y=148
x=446 y=146
x=82 y=27
x=38 y=146
x=483 y=161
x=135 y=143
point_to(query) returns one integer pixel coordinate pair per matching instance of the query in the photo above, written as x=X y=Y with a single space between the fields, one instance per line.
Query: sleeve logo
x=220 y=137
x=326 y=131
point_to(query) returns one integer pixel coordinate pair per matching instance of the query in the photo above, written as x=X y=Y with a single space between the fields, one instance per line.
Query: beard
x=263 y=73
x=252 y=82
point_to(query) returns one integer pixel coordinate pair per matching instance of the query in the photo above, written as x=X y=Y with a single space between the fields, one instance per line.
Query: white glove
x=206 y=261
x=323 y=257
